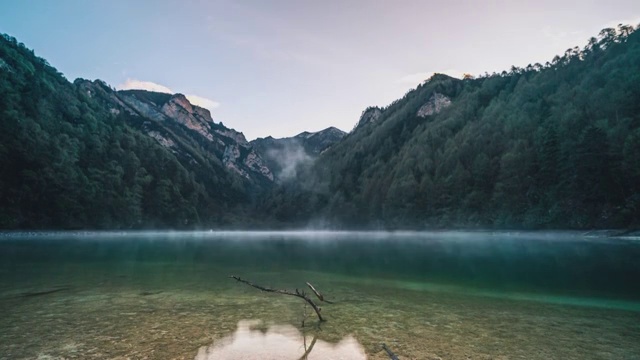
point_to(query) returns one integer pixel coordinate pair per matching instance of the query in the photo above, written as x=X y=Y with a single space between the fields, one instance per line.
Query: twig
x=318 y=294
x=392 y=356
x=304 y=314
x=298 y=293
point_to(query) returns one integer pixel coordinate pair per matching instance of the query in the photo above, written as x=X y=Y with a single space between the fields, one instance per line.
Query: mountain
x=553 y=145
x=82 y=155
x=160 y=113
x=283 y=156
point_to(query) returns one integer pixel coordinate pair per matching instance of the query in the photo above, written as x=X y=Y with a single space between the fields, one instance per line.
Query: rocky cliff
x=436 y=103
x=181 y=126
x=371 y=115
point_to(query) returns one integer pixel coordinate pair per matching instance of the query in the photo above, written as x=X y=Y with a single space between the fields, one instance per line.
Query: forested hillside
x=553 y=145
x=74 y=155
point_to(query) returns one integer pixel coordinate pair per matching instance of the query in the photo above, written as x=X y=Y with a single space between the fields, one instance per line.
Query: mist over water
x=518 y=289
x=562 y=263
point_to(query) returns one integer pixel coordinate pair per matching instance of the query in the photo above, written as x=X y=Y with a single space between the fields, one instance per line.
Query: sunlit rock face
x=162 y=116
x=279 y=342
x=236 y=136
x=193 y=117
x=436 y=103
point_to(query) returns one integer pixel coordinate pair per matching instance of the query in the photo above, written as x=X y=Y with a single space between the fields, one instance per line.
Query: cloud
x=202 y=102
x=417 y=78
x=131 y=84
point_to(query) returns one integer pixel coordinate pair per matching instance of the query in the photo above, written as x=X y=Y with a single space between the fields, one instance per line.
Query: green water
x=426 y=295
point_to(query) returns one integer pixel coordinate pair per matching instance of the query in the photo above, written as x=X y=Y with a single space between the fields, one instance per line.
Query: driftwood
x=320 y=297
x=392 y=356
x=297 y=293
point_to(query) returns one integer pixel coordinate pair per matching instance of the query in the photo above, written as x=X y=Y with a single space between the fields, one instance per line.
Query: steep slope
x=82 y=155
x=284 y=155
x=554 y=145
x=227 y=144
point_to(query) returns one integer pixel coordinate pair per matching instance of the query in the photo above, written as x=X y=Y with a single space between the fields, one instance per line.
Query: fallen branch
x=300 y=294
x=392 y=356
x=318 y=294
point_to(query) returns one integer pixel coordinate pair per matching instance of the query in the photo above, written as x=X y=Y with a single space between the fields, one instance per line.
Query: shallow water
x=426 y=295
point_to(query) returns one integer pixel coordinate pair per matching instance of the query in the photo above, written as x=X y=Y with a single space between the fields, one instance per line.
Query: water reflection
x=282 y=342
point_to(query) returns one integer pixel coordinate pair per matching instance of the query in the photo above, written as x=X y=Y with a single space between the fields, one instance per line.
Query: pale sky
x=282 y=67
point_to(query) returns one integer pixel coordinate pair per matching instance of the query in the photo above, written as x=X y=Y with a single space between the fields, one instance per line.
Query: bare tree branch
x=298 y=293
x=392 y=356
x=318 y=294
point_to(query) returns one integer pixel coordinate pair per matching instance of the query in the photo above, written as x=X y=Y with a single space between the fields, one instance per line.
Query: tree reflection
x=282 y=342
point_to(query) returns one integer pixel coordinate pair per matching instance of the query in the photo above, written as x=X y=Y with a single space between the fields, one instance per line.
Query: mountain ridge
x=546 y=146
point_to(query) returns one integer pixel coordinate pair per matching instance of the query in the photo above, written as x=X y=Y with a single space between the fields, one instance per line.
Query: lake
x=436 y=295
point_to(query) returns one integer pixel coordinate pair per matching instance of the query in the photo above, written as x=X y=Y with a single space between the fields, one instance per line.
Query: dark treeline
x=69 y=161
x=553 y=145
x=545 y=146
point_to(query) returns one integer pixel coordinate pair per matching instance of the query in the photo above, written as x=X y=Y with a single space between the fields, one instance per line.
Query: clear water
x=426 y=295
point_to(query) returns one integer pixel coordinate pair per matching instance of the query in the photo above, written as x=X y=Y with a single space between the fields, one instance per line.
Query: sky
x=282 y=67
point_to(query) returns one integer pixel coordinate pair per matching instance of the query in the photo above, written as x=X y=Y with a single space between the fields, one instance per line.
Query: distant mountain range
x=553 y=145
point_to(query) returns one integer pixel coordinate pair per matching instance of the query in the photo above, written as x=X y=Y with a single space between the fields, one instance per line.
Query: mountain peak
x=181 y=100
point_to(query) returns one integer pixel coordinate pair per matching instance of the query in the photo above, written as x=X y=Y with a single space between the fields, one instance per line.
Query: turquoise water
x=448 y=295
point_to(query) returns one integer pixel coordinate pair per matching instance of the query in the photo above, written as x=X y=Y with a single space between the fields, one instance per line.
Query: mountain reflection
x=282 y=342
